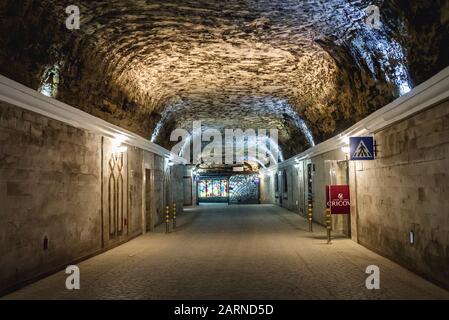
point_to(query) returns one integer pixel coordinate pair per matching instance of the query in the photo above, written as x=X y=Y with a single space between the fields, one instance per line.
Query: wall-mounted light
x=412 y=237
x=297 y=163
x=119 y=149
x=117 y=144
x=50 y=81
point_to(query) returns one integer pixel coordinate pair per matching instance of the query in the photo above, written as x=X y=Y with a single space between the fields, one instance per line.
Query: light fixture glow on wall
x=412 y=237
x=117 y=144
x=119 y=149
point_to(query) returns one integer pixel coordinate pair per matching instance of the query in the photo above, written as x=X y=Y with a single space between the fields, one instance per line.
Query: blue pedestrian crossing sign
x=361 y=148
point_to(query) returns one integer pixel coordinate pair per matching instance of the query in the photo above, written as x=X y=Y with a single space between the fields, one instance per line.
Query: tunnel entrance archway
x=231 y=184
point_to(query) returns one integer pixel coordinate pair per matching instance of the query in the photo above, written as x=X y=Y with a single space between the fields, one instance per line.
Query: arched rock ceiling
x=152 y=66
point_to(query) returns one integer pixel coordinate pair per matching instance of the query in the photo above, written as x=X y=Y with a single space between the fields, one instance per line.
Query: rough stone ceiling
x=152 y=66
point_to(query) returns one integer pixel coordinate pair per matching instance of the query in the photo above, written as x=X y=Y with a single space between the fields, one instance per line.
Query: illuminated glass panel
x=216 y=190
x=224 y=188
x=212 y=188
x=202 y=188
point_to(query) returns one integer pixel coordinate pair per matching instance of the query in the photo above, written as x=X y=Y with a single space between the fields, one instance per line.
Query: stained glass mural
x=239 y=189
x=210 y=189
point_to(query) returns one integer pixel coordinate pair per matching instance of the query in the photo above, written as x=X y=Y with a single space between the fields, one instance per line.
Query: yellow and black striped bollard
x=174 y=215
x=310 y=218
x=167 y=219
x=328 y=225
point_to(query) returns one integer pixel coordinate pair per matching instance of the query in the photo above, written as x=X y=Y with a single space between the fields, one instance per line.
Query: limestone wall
x=293 y=197
x=159 y=190
x=135 y=189
x=177 y=186
x=267 y=189
x=50 y=186
x=189 y=187
x=329 y=168
x=406 y=189
x=56 y=201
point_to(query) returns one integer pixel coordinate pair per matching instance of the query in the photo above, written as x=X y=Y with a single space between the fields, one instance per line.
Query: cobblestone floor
x=235 y=252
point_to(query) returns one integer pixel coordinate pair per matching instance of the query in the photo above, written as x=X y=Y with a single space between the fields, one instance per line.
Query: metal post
x=167 y=219
x=310 y=218
x=174 y=215
x=328 y=225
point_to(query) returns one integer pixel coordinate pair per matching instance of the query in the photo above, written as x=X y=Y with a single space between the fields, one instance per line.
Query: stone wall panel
x=50 y=188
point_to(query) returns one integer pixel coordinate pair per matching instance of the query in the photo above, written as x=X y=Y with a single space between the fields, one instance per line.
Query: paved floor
x=235 y=252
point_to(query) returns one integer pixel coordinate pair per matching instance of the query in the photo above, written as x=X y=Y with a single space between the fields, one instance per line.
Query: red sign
x=340 y=200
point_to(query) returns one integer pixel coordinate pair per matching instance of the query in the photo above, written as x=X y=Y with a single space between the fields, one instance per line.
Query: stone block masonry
x=406 y=191
x=49 y=191
x=402 y=194
x=53 y=197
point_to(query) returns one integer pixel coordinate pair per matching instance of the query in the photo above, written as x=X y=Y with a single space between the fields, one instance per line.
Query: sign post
x=328 y=225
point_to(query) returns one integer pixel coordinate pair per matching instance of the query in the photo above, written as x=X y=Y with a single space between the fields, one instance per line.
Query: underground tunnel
x=131 y=125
